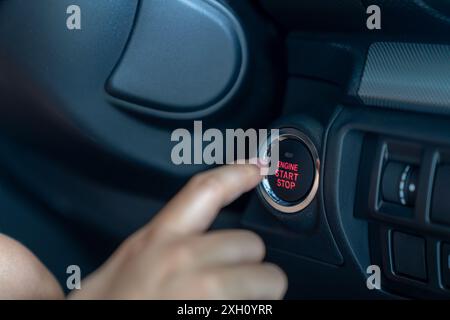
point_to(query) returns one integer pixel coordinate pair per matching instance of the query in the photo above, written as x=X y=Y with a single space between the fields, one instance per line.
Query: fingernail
x=263 y=162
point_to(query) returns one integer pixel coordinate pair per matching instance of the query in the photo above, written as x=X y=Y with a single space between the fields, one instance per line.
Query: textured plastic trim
x=407 y=76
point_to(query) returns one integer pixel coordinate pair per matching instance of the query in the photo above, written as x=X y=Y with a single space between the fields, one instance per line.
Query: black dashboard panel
x=399 y=17
x=180 y=34
x=86 y=161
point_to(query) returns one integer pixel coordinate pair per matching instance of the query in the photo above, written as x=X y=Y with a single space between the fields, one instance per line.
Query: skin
x=173 y=257
x=23 y=276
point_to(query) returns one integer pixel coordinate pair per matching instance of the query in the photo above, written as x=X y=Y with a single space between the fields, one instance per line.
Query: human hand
x=173 y=257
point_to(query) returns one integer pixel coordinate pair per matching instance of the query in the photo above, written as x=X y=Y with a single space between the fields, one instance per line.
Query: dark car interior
x=86 y=118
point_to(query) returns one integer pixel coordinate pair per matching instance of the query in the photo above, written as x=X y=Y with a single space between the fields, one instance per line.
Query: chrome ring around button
x=266 y=190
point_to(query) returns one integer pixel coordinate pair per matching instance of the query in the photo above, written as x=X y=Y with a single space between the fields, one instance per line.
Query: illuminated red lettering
x=288 y=166
x=287 y=174
x=285 y=184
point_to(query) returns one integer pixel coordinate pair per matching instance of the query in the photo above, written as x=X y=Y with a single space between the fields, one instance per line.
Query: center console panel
x=393 y=168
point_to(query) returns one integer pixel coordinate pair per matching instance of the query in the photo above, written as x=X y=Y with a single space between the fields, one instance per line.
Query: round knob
x=399 y=183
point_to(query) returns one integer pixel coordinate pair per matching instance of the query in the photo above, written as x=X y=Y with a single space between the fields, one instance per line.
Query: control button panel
x=295 y=181
x=404 y=191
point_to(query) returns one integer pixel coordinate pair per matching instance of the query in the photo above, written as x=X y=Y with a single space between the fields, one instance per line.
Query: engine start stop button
x=294 y=183
x=294 y=174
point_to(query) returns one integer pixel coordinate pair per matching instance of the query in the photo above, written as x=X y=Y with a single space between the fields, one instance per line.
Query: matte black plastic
x=317 y=14
x=183 y=56
x=65 y=102
x=305 y=233
x=440 y=207
x=445 y=264
x=399 y=17
x=325 y=251
x=409 y=255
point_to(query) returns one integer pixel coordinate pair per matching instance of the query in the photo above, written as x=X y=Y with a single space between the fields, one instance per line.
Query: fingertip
x=254 y=166
x=255 y=171
x=263 y=162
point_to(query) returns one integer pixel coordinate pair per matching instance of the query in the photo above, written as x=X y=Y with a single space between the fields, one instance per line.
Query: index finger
x=194 y=208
